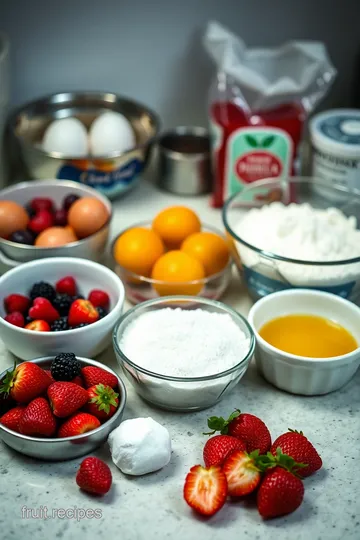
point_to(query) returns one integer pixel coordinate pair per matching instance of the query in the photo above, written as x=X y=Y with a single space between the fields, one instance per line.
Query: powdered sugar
x=184 y=343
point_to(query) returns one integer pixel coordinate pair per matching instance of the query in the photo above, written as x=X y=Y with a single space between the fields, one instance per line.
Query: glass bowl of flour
x=296 y=232
x=183 y=353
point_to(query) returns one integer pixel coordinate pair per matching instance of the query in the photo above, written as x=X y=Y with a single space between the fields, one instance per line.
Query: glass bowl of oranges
x=174 y=254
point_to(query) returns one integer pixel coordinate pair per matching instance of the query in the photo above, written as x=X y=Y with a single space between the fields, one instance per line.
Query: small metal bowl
x=182 y=393
x=51 y=449
x=140 y=288
x=112 y=174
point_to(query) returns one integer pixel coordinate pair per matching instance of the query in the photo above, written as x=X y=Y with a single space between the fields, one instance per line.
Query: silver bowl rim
x=195 y=299
x=268 y=254
x=52 y=440
x=88 y=93
x=67 y=183
x=183 y=131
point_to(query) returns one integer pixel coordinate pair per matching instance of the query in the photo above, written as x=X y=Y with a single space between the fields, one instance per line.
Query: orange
x=177 y=268
x=210 y=249
x=137 y=249
x=174 y=224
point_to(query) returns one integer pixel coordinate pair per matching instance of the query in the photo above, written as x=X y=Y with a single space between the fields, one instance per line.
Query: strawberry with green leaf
x=103 y=401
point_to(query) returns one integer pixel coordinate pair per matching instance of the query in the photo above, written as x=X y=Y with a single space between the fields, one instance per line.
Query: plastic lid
x=337 y=131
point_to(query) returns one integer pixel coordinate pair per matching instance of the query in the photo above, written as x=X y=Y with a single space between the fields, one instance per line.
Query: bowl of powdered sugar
x=183 y=353
x=290 y=233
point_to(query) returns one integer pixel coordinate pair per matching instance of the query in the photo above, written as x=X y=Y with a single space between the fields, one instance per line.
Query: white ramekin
x=298 y=374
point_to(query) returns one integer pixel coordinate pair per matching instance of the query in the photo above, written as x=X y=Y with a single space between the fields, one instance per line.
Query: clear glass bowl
x=179 y=393
x=266 y=272
x=140 y=288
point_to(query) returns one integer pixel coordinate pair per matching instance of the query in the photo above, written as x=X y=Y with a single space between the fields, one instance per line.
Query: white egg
x=67 y=136
x=111 y=132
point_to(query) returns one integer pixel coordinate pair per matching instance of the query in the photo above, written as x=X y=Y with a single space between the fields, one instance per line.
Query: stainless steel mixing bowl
x=112 y=174
x=52 y=449
x=12 y=254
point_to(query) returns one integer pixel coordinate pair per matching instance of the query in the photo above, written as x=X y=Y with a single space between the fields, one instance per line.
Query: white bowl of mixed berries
x=51 y=305
x=61 y=407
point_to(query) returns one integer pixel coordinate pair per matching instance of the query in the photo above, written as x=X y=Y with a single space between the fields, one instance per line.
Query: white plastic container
x=335 y=141
x=300 y=374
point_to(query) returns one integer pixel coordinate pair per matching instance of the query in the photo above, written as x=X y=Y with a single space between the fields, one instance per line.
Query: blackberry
x=102 y=312
x=81 y=325
x=77 y=297
x=62 y=303
x=43 y=289
x=29 y=210
x=65 y=367
x=60 y=324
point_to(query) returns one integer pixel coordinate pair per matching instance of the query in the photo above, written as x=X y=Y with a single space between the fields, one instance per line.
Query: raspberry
x=16 y=318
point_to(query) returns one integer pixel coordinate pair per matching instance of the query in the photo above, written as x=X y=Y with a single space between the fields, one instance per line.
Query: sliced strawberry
x=16 y=302
x=16 y=318
x=11 y=418
x=77 y=424
x=66 y=285
x=43 y=309
x=102 y=401
x=93 y=375
x=66 y=398
x=205 y=490
x=242 y=474
x=99 y=298
x=25 y=382
x=38 y=326
x=218 y=448
x=37 y=419
x=82 y=311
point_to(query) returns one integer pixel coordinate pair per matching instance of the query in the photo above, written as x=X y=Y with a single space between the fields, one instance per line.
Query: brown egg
x=87 y=215
x=55 y=237
x=13 y=217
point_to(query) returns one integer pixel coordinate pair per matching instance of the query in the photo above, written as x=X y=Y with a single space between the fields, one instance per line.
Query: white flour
x=184 y=343
x=301 y=232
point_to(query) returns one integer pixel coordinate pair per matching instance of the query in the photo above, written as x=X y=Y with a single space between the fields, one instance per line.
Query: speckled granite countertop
x=151 y=507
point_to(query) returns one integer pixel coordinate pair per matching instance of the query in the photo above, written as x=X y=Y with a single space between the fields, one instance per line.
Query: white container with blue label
x=335 y=140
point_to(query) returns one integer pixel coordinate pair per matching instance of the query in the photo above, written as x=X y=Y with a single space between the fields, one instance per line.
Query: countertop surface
x=151 y=507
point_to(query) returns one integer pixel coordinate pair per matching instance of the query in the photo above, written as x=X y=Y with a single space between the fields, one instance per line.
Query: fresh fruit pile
x=174 y=252
x=50 y=308
x=65 y=401
x=241 y=461
x=41 y=224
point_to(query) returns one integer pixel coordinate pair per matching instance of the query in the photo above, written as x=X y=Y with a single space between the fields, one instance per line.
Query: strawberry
x=38 y=326
x=16 y=302
x=94 y=375
x=77 y=424
x=205 y=490
x=94 y=476
x=78 y=380
x=25 y=382
x=42 y=203
x=66 y=398
x=37 y=419
x=16 y=318
x=242 y=473
x=44 y=310
x=247 y=427
x=41 y=221
x=99 y=298
x=102 y=401
x=82 y=311
x=296 y=445
x=52 y=380
x=66 y=285
x=280 y=493
x=11 y=418
x=218 y=448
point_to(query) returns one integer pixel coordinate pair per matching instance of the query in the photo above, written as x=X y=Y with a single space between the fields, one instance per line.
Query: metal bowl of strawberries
x=59 y=408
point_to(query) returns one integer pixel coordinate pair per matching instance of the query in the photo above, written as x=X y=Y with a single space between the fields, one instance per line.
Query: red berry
x=280 y=493
x=42 y=203
x=16 y=318
x=102 y=401
x=99 y=298
x=78 y=424
x=41 y=221
x=217 y=449
x=82 y=311
x=205 y=490
x=37 y=419
x=241 y=472
x=11 y=418
x=93 y=375
x=26 y=382
x=66 y=285
x=66 y=398
x=94 y=476
x=44 y=310
x=297 y=446
x=60 y=218
x=38 y=326
x=16 y=302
